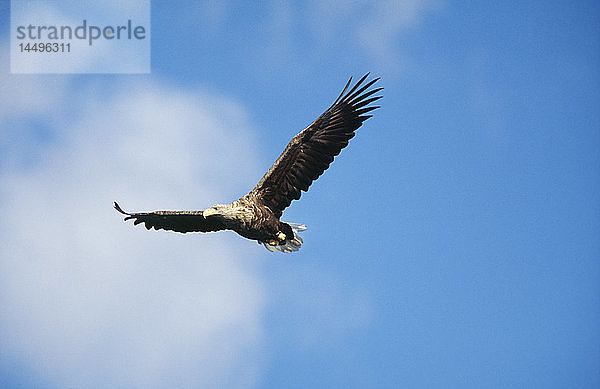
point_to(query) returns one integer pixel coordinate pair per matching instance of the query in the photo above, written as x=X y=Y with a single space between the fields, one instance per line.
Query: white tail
x=290 y=244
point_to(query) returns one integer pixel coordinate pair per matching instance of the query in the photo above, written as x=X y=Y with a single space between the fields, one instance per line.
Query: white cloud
x=89 y=301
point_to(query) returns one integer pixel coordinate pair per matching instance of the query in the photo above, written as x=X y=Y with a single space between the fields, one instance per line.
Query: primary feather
x=310 y=152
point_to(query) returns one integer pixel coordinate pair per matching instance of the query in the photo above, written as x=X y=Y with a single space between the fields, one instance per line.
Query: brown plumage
x=256 y=215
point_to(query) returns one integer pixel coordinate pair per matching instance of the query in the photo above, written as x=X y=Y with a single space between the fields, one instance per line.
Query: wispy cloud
x=385 y=22
x=89 y=301
x=290 y=35
x=375 y=28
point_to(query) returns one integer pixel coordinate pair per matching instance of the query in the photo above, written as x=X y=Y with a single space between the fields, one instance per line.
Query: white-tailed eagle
x=256 y=215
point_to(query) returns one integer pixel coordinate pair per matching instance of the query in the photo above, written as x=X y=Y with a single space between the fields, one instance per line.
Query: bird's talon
x=281 y=236
x=273 y=242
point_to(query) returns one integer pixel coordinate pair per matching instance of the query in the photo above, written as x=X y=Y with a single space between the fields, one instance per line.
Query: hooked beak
x=208 y=212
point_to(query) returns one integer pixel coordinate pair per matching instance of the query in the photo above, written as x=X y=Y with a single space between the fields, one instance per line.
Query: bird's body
x=257 y=215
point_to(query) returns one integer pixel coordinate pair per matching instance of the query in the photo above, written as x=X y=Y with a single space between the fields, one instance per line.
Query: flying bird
x=257 y=215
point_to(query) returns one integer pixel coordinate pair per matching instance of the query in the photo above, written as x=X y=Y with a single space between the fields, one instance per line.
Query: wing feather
x=179 y=221
x=311 y=152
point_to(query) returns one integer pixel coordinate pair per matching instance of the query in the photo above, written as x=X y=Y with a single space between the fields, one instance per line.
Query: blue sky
x=454 y=243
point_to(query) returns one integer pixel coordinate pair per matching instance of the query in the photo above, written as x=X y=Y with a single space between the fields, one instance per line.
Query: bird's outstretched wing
x=179 y=221
x=311 y=151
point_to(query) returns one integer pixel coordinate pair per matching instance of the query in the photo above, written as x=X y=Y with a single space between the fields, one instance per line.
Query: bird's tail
x=290 y=244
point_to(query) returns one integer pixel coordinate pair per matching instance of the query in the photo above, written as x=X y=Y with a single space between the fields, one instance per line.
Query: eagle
x=257 y=215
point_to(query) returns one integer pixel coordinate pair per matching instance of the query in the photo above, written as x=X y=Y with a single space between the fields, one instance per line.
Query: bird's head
x=218 y=210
